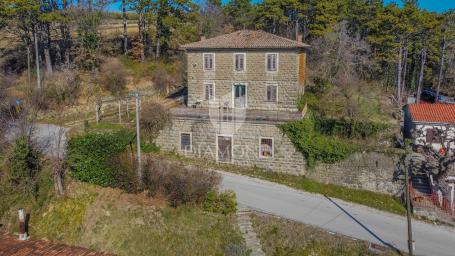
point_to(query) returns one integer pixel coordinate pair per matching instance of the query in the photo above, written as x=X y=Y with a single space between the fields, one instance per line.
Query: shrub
x=124 y=171
x=316 y=147
x=63 y=87
x=224 y=203
x=88 y=156
x=348 y=128
x=180 y=184
x=113 y=77
x=24 y=162
x=154 y=118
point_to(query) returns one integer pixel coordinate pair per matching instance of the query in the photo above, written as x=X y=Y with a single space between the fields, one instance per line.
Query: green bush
x=316 y=147
x=23 y=161
x=348 y=128
x=89 y=156
x=224 y=203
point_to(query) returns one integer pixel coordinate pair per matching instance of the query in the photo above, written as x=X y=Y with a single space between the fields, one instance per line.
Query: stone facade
x=370 y=170
x=255 y=77
x=246 y=139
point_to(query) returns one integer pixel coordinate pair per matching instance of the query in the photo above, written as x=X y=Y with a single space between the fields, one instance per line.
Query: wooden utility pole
x=139 y=165
x=408 y=209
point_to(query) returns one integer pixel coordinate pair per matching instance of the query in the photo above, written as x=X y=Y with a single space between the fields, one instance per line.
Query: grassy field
x=106 y=219
x=371 y=199
x=284 y=237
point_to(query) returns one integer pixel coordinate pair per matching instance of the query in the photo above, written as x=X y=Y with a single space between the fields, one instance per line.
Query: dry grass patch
x=284 y=237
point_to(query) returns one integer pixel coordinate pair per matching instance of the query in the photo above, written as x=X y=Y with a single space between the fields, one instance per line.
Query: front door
x=239 y=96
x=224 y=149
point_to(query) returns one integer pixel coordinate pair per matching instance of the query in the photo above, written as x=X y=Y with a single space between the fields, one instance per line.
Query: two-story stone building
x=241 y=86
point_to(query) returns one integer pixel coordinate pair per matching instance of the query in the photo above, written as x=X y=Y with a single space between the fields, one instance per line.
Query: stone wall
x=371 y=171
x=255 y=77
x=246 y=139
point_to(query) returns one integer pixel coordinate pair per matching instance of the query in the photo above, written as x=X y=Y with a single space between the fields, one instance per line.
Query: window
x=266 y=147
x=272 y=93
x=272 y=62
x=239 y=61
x=185 y=141
x=209 y=61
x=209 y=91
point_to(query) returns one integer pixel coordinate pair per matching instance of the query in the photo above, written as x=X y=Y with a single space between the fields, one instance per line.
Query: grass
x=138 y=69
x=371 y=199
x=111 y=220
x=285 y=237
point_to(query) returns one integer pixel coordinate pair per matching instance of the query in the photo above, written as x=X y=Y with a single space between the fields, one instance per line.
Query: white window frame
x=266 y=91
x=232 y=147
x=191 y=142
x=260 y=147
x=244 y=61
x=204 y=90
x=277 y=62
x=233 y=94
x=203 y=61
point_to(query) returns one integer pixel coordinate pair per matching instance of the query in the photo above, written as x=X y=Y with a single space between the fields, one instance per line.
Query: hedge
x=316 y=147
x=89 y=155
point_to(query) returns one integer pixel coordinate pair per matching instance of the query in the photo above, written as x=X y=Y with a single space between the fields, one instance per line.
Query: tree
x=279 y=17
x=154 y=117
x=239 y=13
x=24 y=164
x=211 y=18
x=113 y=77
x=323 y=16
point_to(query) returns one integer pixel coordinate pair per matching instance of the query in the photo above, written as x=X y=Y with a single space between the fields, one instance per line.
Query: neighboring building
x=240 y=87
x=431 y=125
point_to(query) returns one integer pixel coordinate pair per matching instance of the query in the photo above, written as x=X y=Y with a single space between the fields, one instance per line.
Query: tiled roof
x=432 y=113
x=246 y=39
x=11 y=246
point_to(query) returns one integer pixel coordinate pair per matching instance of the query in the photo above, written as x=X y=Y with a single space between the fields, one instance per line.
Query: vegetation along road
x=334 y=215
x=338 y=216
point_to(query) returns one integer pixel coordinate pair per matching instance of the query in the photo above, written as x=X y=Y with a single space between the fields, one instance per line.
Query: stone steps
x=247 y=230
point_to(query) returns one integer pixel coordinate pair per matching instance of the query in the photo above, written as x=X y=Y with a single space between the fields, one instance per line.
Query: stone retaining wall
x=370 y=170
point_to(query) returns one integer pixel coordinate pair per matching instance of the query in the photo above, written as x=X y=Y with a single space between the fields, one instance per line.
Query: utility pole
x=408 y=209
x=139 y=166
x=38 y=79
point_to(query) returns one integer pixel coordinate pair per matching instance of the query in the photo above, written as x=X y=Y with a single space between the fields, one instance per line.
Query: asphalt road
x=49 y=138
x=335 y=215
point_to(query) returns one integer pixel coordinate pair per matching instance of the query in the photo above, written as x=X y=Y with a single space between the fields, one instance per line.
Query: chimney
x=22 y=228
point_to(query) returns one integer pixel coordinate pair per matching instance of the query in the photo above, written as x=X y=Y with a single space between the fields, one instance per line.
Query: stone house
x=431 y=125
x=241 y=86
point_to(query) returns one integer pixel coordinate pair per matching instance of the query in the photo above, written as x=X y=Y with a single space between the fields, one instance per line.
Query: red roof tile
x=11 y=246
x=432 y=113
x=246 y=39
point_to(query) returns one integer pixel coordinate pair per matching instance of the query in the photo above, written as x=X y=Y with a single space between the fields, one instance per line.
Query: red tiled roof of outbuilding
x=11 y=246
x=246 y=39
x=432 y=113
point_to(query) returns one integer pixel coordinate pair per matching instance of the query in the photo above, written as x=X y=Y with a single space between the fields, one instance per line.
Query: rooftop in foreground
x=11 y=246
